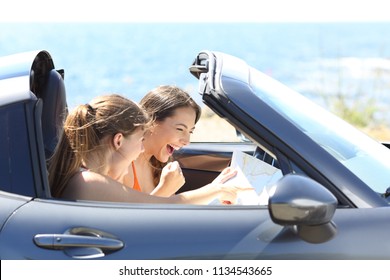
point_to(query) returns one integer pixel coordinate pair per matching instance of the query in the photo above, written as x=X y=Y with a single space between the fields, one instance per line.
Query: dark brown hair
x=161 y=103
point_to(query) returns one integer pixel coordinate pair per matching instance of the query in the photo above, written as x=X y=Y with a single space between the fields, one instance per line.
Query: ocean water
x=316 y=59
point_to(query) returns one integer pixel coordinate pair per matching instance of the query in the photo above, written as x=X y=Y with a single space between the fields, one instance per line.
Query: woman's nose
x=186 y=139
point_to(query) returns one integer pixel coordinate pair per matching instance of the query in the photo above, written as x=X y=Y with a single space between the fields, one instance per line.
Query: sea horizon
x=316 y=59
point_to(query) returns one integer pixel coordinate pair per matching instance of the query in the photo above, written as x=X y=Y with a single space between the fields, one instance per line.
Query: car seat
x=54 y=109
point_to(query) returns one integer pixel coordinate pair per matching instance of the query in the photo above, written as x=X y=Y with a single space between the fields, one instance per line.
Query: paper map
x=256 y=173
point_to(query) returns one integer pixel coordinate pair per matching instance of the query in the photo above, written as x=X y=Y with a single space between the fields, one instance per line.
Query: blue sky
x=194 y=11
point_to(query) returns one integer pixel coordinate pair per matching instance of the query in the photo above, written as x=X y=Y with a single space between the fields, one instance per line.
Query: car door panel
x=8 y=204
x=353 y=239
x=183 y=232
x=147 y=231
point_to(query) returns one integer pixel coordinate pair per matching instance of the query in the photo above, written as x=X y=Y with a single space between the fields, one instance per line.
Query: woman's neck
x=144 y=171
x=93 y=165
x=143 y=163
x=144 y=158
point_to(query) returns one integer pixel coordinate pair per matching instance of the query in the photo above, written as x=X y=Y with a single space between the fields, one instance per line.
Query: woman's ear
x=117 y=141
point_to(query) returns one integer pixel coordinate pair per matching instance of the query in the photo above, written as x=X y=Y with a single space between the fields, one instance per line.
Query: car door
x=50 y=229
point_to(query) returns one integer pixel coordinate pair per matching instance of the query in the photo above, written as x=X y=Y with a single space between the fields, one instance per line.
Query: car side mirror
x=305 y=205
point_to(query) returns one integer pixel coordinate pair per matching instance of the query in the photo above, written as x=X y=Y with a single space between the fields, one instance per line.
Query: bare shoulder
x=89 y=185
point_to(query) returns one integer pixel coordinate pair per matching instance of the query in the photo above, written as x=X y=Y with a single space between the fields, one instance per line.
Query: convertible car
x=329 y=200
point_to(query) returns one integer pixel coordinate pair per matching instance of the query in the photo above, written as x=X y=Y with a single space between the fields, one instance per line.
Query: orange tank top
x=136 y=185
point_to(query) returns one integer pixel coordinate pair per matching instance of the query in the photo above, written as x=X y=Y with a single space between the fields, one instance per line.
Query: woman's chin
x=163 y=159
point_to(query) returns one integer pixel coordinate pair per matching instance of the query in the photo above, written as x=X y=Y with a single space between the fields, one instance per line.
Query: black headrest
x=54 y=111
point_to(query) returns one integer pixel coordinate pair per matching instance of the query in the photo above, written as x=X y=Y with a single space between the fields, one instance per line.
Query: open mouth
x=171 y=149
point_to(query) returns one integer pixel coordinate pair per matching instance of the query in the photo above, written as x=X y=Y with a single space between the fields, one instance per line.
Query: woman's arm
x=89 y=185
x=171 y=180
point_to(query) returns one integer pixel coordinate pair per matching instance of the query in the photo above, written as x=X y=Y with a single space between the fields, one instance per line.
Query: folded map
x=255 y=173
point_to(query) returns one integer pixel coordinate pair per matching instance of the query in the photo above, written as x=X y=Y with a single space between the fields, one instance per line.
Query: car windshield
x=362 y=155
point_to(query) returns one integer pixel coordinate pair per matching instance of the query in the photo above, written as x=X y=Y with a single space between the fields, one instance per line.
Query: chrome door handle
x=80 y=242
x=61 y=241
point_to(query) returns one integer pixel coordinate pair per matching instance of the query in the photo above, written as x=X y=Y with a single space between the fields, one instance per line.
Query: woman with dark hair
x=173 y=116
